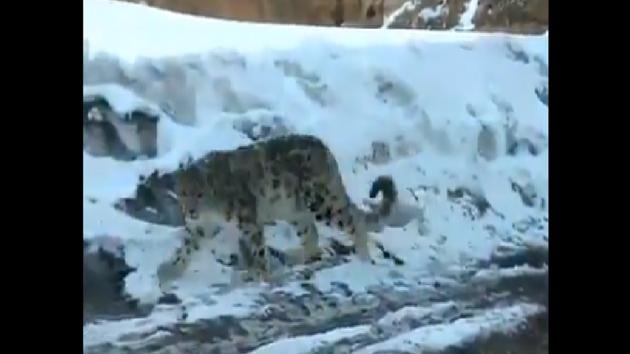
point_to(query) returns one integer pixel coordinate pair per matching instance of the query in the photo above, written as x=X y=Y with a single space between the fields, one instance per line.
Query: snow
x=508 y=272
x=466 y=20
x=119 y=98
x=189 y=34
x=406 y=6
x=110 y=331
x=430 y=13
x=307 y=344
x=438 y=337
x=432 y=337
x=344 y=86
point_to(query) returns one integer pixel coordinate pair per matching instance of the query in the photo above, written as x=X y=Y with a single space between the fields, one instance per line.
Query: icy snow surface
x=449 y=104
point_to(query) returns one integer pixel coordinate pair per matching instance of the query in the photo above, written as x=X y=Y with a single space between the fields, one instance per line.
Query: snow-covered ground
x=462 y=114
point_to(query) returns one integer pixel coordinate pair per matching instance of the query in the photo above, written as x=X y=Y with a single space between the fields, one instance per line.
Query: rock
x=542 y=92
x=125 y=136
x=355 y=13
x=536 y=257
x=169 y=299
x=466 y=196
x=487 y=143
x=527 y=192
x=426 y=14
x=100 y=137
x=104 y=272
x=516 y=16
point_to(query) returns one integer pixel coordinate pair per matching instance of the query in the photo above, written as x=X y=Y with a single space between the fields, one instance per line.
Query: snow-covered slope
x=464 y=116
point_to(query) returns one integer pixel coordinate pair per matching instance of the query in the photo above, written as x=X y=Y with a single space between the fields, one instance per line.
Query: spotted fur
x=294 y=178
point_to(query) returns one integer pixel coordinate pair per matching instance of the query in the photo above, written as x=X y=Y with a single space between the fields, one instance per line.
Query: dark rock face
x=512 y=16
x=363 y=13
x=104 y=272
x=542 y=92
x=123 y=137
x=515 y=16
x=100 y=137
x=427 y=14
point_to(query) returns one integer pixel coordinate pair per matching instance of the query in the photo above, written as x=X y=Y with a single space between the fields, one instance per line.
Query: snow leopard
x=294 y=178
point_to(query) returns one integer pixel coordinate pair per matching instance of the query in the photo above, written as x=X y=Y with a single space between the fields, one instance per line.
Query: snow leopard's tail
x=380 y=211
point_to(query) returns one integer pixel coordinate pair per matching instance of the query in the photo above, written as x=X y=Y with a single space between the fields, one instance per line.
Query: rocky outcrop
x=424 y=14
x=104 y=271
x=364 y=13
x=516 y=16
x=122 y=136
x=512 y=16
